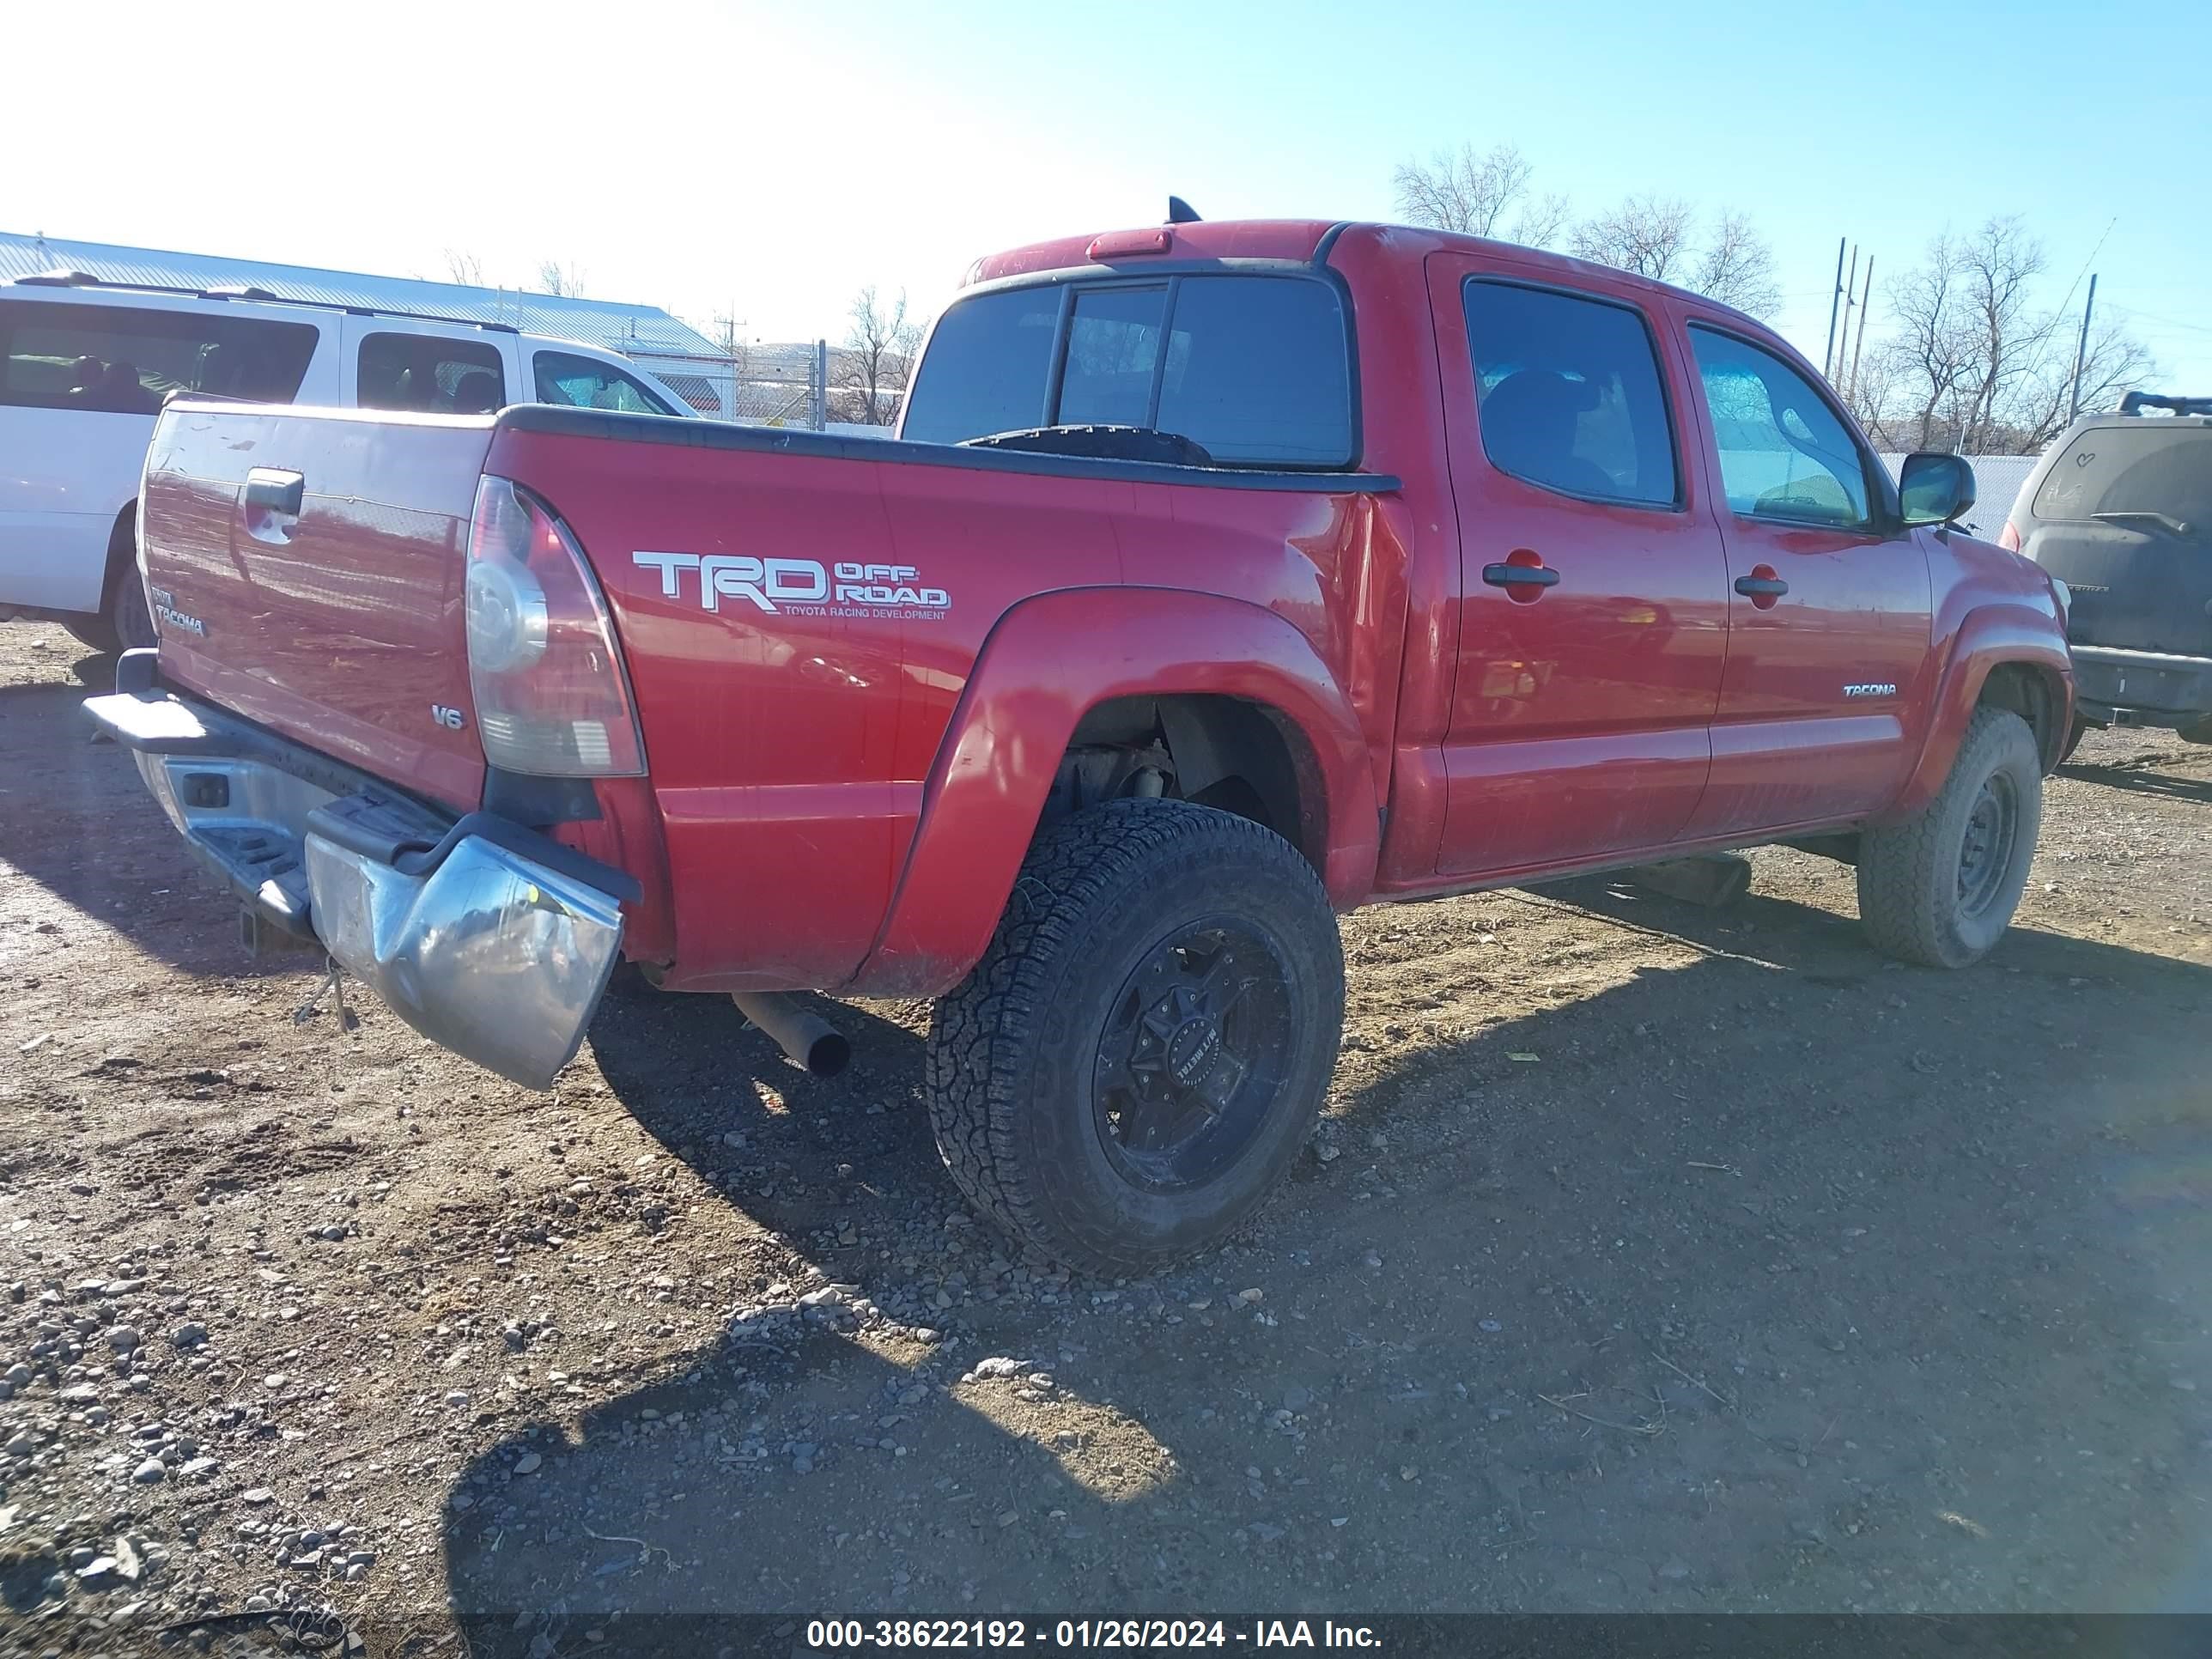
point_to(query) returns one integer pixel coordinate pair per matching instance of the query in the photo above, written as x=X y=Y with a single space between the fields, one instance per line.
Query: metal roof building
x=633 y=330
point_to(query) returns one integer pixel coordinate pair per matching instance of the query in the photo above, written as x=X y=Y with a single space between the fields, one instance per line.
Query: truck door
x=1828 y=607
x=1592 y=587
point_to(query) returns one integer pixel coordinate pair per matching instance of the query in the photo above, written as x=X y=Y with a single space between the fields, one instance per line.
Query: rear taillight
x=2008 y=538
x=552 y=694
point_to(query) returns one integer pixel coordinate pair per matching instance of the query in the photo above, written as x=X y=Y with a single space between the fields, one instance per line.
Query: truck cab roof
x=1297 y=241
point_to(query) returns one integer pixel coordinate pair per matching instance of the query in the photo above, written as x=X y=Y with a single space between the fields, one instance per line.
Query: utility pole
x=1834 y=299
x=1866 y=295
x=1834 y=371
x=2082 y=352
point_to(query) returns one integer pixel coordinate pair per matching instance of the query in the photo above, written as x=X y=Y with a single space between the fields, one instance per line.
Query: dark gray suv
x=2119 y=509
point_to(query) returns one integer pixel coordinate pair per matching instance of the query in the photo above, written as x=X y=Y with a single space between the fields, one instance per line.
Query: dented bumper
x=487 y=938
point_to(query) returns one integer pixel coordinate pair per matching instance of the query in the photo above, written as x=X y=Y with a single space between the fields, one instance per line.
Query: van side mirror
x=1934 y=488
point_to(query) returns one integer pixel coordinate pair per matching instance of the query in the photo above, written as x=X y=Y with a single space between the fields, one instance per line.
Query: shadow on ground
x=1785 y=1279
x=2141 y=776
x=77 y=819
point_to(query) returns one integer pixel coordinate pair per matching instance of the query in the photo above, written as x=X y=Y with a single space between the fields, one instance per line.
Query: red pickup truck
x=1222 y=576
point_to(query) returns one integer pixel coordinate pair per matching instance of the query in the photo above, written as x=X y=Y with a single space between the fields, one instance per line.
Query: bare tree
x=1649 y=235
x=1973 y=362
x=463 y=267
x=1736 y=267
x=871 y=371
x=1931 y=355
x=1658 y=237
x=1467 y=193
x=2114 y=362
x=1540 y=220
x=1998 y=266
x=554 y=277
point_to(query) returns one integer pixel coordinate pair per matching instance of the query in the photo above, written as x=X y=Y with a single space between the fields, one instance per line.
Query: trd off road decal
x=801 y=587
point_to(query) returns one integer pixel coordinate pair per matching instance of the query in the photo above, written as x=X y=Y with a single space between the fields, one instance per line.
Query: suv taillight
x=2008 y=538
x=552 y=697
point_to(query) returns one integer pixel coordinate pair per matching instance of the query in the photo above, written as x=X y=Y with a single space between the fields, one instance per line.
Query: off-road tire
x=1910 y=874
x=1012 y=1052
x=2075 y=733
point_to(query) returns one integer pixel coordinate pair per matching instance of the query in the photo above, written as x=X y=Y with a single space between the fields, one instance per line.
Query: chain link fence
x=758 y=385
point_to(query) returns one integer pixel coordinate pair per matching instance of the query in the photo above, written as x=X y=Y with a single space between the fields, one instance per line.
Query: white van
x=84 y=365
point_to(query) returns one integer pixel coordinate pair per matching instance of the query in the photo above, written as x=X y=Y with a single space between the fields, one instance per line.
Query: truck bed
x=793 y=709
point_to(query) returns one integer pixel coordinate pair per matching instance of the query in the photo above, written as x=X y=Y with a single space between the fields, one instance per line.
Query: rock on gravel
x=149 y=1472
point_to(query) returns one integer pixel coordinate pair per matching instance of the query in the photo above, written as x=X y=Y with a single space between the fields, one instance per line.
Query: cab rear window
x=2153 y=469
x=1254 y=369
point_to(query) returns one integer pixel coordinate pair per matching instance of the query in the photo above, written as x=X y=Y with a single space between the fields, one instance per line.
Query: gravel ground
x=1648 y=1258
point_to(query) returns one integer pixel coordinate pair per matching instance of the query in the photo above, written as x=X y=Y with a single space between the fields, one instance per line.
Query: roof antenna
x=1180 y=212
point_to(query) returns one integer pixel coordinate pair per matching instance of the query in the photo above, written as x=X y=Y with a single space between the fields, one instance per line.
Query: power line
x=2169 y=322
x=2066 y=303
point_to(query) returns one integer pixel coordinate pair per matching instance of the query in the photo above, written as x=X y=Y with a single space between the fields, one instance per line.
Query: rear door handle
x=1761 y=587
x=1520 y=575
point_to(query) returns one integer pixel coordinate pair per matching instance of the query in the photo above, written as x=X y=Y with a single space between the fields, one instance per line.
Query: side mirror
x=1934 y=488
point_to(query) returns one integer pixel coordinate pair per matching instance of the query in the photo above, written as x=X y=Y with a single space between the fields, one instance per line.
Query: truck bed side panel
x=791 y=738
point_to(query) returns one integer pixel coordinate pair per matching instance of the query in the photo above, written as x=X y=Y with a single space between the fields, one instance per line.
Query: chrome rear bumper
x=487 y=938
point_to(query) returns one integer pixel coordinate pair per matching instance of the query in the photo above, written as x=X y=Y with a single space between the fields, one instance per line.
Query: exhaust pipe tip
x=828 y=1054
x=807 y=1040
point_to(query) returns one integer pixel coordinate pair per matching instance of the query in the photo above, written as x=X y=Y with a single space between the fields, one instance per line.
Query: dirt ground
x=1649 y=1258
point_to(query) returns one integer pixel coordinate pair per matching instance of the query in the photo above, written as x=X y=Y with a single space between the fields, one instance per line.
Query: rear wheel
x=1139 y=1055
x=123 y=623
x=1941 y=889
x=128 y=619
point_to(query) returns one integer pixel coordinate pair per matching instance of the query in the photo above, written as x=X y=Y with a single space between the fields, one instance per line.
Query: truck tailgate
x=305 y=570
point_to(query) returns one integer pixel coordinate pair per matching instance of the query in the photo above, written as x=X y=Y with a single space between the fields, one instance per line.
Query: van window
x=124 y=359
x=586 y=383
x=429 y=374
x=1568 y=394
x=1254 y=369
x=1784 y=453
x=2157 y=468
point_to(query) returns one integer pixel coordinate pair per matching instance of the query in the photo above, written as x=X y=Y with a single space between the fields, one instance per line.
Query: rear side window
x=1568 y=394
x=1256 y=370
x=124 y=359
x=430 y=375
x=586 y=383
x=2153 y=469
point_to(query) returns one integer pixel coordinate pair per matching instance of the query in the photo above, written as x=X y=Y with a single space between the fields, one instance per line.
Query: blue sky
x=767 y=160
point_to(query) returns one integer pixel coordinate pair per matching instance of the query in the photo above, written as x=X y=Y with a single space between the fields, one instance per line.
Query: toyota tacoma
x=1221 y=577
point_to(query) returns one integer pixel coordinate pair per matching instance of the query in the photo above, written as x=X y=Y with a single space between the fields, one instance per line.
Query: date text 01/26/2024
x=830 y=1635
